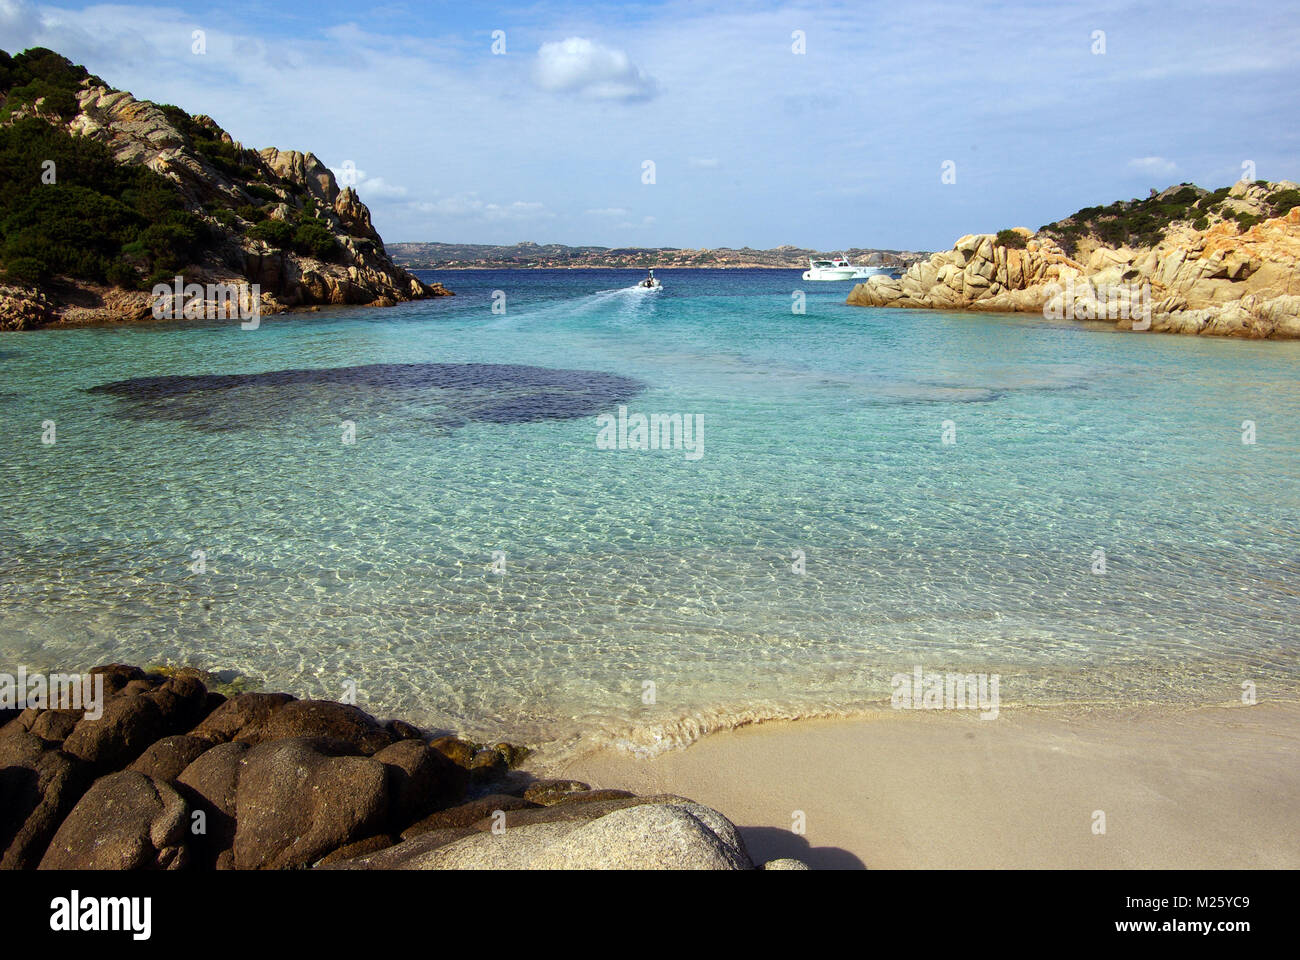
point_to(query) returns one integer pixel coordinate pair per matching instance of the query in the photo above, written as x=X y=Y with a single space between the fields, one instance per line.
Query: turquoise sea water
x=372 y=562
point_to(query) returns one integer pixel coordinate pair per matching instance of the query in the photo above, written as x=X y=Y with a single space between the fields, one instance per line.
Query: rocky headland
x=1222 y=263
x=107 y=196
x=169 y=774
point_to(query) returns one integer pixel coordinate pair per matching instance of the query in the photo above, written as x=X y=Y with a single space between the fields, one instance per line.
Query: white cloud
x=19 y=25
x=607 y=212
x=468 y=206
x=1153 y=165
x=629 y=225
x=326 y=86
x=589 y=69
x=367 y=187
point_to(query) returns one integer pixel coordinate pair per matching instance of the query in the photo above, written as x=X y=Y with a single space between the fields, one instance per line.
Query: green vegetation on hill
x=107 y=222
x=40 y=74
x=1143 y=223
x=98 y=221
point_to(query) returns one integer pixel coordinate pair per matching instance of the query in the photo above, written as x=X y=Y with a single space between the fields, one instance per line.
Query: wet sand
x=1209 y=787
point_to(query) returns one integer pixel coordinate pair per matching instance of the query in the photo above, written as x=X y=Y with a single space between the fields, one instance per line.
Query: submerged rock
x=450 y=394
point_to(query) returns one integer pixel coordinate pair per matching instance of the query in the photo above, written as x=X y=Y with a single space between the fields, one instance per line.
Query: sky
x=825 y=125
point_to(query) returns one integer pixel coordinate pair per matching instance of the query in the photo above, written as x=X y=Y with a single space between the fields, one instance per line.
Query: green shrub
x=251 y=213
x=39 y=73
x=96 y=213
x=122 y=274
x=314 y=239
x=55 y=100
x=1011 y=239
x=1283 y=201
x=1112 y=232
x=174 y=243
x=25 y=270
x=69 y=229
x=263 y=192
x=276 y=233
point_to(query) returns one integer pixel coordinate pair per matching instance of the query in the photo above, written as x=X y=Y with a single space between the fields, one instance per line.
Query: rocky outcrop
x=196 y=155
x=22 y=308
x=171 y=775
x=1219 y=281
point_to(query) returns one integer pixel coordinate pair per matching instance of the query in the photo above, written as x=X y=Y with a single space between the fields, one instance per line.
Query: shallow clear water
x=372 y=562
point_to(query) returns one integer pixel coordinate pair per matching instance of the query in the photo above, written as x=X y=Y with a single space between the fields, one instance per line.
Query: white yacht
x=839 y=268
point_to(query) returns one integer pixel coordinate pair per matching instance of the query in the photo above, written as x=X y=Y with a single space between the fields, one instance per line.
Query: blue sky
x=753 y=144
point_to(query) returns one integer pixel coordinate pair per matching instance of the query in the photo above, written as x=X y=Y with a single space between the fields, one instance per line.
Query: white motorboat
x=839 y=268
x=650 y=283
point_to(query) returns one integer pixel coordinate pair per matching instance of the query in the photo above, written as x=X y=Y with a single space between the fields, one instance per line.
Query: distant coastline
x=726 y=266
x=552 y=256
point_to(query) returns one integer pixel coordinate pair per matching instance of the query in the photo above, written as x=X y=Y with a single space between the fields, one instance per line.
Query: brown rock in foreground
x=245 y=712
x=301 y=798
x=420 y=781
x=38 y=788
x=209 y=784
x=167 y=758
x=318 y=718
x=467 y=814
x=126 y=821
x=244 y=788
x=547 y=792
x=132 y=720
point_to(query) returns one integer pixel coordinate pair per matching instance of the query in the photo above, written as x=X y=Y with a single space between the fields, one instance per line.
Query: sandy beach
x=1211 y=787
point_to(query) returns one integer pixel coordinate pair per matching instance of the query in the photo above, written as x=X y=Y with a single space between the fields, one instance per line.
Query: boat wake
x=621 y=306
